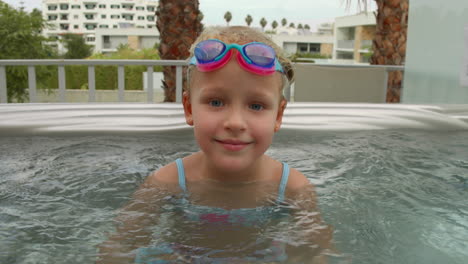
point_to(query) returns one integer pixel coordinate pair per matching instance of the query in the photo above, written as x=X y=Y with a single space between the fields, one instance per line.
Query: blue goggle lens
x=207 y=51
x=260 y=54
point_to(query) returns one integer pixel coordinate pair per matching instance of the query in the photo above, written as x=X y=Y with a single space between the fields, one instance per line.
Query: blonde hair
x=242 y=35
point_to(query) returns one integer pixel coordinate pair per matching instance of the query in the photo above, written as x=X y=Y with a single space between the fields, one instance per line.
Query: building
x=86 y=16
x=310 y=43
x=294 y=41
x=353 y=37
x=109 y=39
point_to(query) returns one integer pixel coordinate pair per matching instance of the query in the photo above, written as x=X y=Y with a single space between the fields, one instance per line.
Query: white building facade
x=85 y=16
x=353 y=37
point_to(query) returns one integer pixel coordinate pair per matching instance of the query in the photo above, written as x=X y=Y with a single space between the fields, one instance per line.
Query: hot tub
x=392 y=180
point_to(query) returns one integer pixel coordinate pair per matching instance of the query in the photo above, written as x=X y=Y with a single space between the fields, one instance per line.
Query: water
x=390 y=196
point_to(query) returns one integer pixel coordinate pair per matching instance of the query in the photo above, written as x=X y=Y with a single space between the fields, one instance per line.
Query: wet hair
x=242 y=35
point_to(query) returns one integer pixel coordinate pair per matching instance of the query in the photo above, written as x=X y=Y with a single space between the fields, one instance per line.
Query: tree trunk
x=179 y=24
x=389 y=44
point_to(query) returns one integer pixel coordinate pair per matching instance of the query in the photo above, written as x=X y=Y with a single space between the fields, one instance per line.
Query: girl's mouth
x=233 y=144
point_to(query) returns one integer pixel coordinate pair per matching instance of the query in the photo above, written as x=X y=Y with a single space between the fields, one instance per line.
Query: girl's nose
x=235 y=120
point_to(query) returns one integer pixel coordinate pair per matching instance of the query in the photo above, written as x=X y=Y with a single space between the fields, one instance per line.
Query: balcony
x=64 y=26
x=90 y=6
x=89 y=17
x=345 y=44
x=90 y=26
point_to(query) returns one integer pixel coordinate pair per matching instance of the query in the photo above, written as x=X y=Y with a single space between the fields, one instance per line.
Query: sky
x=311 y=12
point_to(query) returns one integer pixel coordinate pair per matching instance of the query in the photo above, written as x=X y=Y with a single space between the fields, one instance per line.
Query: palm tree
x=263 y=23
x=307 y=27
x=274 y=24
x=228 y=17
x=299 y=26
x=284 y=22
x=291 y=25
x=389 y=45
x=177 y=33
x=248 y=20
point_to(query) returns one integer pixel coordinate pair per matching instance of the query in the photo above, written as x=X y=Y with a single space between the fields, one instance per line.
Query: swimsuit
x=242 y=217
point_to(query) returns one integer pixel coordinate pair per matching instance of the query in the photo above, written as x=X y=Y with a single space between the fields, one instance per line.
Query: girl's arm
x=134 y=222
x=132 y=225
x=314 y=236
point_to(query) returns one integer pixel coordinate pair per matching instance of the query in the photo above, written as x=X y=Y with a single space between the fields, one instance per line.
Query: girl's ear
x=279 y=115
x=187 y=108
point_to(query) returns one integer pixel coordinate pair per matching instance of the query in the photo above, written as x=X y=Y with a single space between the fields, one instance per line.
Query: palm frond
x=361 y=4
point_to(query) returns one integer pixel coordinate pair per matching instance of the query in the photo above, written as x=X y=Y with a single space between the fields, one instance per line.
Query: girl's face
x=234 y=114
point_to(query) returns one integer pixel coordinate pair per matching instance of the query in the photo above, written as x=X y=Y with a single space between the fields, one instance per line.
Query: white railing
x=179 y=64
x=91 y=76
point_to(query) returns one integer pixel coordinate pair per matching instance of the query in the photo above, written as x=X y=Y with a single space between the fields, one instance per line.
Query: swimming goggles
x=255 y=57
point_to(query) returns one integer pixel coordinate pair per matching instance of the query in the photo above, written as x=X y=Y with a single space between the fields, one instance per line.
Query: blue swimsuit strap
x=181 y=172
x=281 y=189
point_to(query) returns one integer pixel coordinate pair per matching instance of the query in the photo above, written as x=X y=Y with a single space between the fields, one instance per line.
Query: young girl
x=230 y=192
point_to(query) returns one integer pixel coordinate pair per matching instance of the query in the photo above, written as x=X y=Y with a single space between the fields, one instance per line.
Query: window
x=127 y=7
x=52 y=17
x=63 y=6
x=141 y=18
x=103 y=16
x=90 y=6
x=102 y=6
x=90 y=39
x=63 y=17
x=75 y=16
x=140 y=8
x=52 y=7
x=115 y=6
x=89 y=16
x=150 y=18
x=76 y=7
x=140 y=26
x=90 y=26
x=314 y=48
x=127 y=17
x=150 y=8
x=115 y=16
x=76 y=26
x=302 y=47
x=106 y=39
x=150 y=26
x=64 y=26
x=103 y=26
x=115 y=26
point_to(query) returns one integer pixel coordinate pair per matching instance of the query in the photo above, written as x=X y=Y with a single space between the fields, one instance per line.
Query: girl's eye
x=256 y=107
x=216 y=103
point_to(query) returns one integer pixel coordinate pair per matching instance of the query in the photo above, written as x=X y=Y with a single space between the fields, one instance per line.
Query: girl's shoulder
x=297 y=180
x=164 y=175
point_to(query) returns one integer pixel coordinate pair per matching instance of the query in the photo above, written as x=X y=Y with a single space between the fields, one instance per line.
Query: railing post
x=62 y=84
x=178 y=84
x=3 y=86
x=91 y=84
x=121 y=82
x=32 y=84
x=149 y=83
